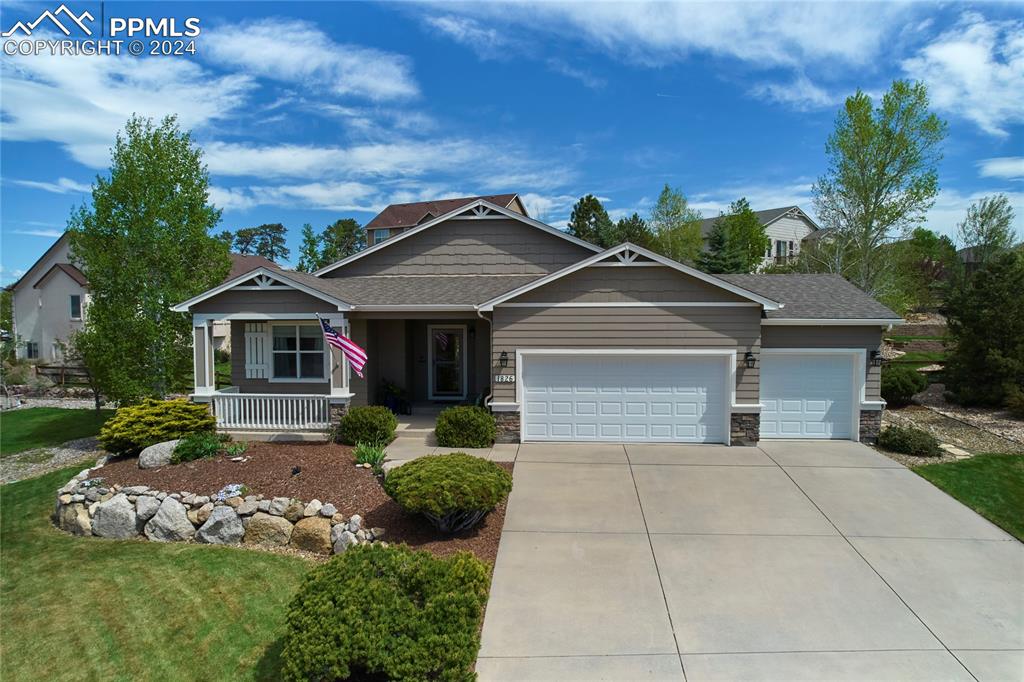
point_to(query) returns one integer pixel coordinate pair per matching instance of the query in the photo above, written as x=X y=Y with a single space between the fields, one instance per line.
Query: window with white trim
x=298 y=352
x=380 y=235
x=75 y=304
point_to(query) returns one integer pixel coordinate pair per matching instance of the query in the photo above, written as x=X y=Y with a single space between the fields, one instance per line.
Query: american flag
x=356 y=356
x=442 y=340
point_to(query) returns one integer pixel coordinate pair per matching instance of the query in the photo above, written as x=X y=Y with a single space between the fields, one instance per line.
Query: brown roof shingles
x=409 y=215
x=68 y=269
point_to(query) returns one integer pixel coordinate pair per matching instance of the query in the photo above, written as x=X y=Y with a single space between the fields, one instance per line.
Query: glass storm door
x=447 y=362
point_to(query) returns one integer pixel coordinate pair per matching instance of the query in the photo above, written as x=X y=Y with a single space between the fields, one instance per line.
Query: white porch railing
x=271 y=412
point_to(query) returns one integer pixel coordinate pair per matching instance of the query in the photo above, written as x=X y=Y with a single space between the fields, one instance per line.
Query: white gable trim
x=479 y=203
x=802 y=215
x=263 y=274
x=631 y=250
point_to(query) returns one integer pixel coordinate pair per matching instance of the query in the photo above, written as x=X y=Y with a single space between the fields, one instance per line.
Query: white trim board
x=633 y=249
x=184 y=306
x=505 y=212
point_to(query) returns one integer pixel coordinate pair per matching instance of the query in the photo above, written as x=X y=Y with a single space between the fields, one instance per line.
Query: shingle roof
x=68 y=269
x=408 y=215
x=241 y=264
x=415 y=290
x=766 y=216
x=813 y=297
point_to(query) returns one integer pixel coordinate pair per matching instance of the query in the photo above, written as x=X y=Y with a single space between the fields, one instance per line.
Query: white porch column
x=339 y=365
x=202 y=356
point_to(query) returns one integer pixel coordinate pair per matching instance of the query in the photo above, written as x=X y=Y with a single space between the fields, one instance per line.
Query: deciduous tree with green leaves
x=589 y=221
x=676 y=227
x=925 y=265
x=309 y=250
x=737 y=242
x=988 y=227
x=882 y=176
x=145 y=244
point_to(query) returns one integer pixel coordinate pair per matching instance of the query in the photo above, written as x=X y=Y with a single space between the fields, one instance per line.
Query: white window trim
x=859 y=356
x=377 y=233
x=430 y=360
x=729 y=356
x=71 y=307
x=303 y=380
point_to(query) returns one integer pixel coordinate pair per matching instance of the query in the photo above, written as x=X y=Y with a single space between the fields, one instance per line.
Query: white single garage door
x=806 y=395
x=624 y=398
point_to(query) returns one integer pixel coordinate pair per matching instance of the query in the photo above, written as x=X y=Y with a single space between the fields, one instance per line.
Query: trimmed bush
x=465 y=426
x=135 y=427
x=453 y=491
x=900 y=383
x=200 y=445
x=909 y=441
x=386 y=613
x=366 y=424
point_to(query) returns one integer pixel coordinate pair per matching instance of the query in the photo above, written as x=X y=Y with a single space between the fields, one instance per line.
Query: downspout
x=490 y=359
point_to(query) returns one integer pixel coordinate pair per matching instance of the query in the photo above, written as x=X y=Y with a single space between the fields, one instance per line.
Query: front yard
x=39 y=427
x=990 y=484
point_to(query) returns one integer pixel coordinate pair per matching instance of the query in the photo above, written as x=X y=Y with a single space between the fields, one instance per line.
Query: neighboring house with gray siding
x=561 y=340
x=786 y=228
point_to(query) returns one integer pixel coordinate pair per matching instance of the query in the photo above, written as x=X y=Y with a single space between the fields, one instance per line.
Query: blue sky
x=309 y=112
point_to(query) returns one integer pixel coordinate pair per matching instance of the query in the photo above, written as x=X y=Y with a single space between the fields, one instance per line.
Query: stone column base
x=870 y=425
x=745 y=428
x=337 y=411
x=508 y=427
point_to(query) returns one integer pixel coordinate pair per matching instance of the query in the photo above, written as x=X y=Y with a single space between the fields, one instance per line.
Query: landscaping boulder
x=328 y=510
x=158 y=455
x=115 y=518
x=248 y=507
x=278 y=505
x=265 y=529
x=145 y=507
x=223 y=527
x=74 y=518
x=313 y=508
x=294 y=511
x=170 y=523
x=204 y=512
x=312 y=534
x=345 y=539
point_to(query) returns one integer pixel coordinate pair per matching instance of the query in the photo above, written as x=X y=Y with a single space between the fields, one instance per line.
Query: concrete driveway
x=788 y=561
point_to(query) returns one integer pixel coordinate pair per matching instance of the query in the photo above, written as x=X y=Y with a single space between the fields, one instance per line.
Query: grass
x=990 y=484
x=222 y=370
x=39 y=427
x=928 y=356
x=904 y=339
x=93 y=609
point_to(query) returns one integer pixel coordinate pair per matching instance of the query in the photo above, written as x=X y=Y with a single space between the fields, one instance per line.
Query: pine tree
x=633 y=229
x=341 y=239
x=590 y=222
x=723 y=255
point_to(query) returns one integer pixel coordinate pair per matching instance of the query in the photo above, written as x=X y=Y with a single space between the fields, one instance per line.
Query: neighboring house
x=786 y=227
x=398 y=218
x=563 y=340
x=51 y=301
x=49 y=304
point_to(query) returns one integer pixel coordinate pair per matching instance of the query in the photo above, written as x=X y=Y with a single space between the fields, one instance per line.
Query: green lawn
x=38 y=427
x=992 y=485
x=93 y=609
x=904 y=339
x=926 y=356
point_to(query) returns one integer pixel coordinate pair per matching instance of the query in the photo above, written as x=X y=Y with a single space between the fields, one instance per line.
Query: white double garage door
x=680 y=398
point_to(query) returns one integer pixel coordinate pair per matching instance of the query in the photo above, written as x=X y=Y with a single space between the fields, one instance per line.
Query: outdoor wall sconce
x=749 y=360
x=876 y=359
x=503 y=358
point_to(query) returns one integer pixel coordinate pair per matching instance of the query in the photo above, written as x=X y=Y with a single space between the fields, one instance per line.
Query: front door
x=447 y=365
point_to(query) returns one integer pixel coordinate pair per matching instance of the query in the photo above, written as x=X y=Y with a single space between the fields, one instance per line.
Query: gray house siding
x=736 y=328
x=470 y=247
x=622 y=284
x=868 y=338
x=263 y=385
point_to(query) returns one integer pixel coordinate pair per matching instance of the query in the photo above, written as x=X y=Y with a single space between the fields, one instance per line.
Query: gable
x=627 y=284
x=58 y=252
x=456 y=246
x=792 y=228
x=265 y=290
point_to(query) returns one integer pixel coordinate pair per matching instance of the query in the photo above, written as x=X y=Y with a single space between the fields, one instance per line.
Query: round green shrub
x=366 y=424
x=900 y=383
x=199 y=445
x=909 y=441
x=465 y=426
x=386 y=613
x=135 y=427
x=454 y=491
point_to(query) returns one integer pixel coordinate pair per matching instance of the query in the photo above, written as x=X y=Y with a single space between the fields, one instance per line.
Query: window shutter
x=256 y=352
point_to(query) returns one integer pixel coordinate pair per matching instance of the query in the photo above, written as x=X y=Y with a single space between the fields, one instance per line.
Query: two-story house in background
x=786 y=227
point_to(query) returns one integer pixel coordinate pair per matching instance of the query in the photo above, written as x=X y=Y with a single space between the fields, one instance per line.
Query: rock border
x=86 y=507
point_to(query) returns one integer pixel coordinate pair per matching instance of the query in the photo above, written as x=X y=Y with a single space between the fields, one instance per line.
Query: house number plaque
x=504 y=378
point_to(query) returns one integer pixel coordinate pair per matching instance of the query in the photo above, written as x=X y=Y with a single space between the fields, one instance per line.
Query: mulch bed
x=327 y=473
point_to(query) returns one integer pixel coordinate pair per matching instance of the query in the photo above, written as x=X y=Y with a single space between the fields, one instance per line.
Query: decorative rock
x=115 y=518
x=170 y=523
x=65 y=498
x=69 y=487
x=78 y=498
x=94 y=505
x=201 y=500
x=338 y=518
x=278 y=505
x=132 y=498
x=193 y=516
x=328 y=510
x=248 y=507
x=223 y=527
x=158 y=455
x=264 y=506
x=265 y=529
x=313 y=508
x=160 y=496
x=175 y=496
x=145 y=507
x=336 y=532
x=355 y=522
x=293 y=512
x=92 y=496
x=376 y=533
x=313 y=534
x=233 y=502
x=134 y=490
x=204 y=512
x=104 y=498
x=74 y=519
x=188 y=498
x=361 y=536
x=345 y=540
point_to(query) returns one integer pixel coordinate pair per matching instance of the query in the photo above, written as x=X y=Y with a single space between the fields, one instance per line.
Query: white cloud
x=1006 y=167
x=800 y=94
x=761 y=197
x=951 y=206
x=50 y=234
x=61 y=186
x=298 y=51
x=487 y=42
x=550 y=209
x=976 y=71
x=582 y=75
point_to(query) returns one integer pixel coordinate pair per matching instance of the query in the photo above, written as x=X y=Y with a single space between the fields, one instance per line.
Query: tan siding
x=591 y=328
x=615 y=284
x=869 y=338
x=265 y=301
x=469 y=247
x=359 y=387
x=263 y=385
x=199 y=355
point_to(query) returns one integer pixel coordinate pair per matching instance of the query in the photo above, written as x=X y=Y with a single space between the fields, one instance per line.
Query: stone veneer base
x=870 y=425
x=744 y=428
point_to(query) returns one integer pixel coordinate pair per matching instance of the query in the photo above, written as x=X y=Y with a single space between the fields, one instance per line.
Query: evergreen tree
x=724 y=253
x=270 y=242
x=590 y=222
x=676 y=227
x=245 y=241
x=633 y=229
x=309 y=250
x=145 y=245
x=340 y=240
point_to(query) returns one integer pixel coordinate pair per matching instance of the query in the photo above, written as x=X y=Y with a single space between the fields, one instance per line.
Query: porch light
x=749 y=360
x=876 y=359
x=503 y=358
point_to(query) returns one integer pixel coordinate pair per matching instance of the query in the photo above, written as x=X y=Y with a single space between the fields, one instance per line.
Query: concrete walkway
x=789 y=561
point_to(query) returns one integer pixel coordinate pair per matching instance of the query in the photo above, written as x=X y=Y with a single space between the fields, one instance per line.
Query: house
x=786 y=227
x=51 y=301
x=562 y=340
x=398 y=218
